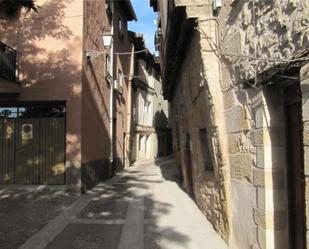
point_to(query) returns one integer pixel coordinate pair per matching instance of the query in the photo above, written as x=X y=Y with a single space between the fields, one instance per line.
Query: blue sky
x=145 y=22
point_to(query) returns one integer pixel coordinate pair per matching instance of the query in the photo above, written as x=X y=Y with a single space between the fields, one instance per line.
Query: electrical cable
x=137 y=52
x=97 y=53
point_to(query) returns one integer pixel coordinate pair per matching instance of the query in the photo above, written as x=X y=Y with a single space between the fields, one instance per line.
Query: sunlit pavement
x=141 y=208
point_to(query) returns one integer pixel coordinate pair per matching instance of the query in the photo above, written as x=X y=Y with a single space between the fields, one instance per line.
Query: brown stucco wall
x=96 y=96
x=49 y=46
x=122 y=101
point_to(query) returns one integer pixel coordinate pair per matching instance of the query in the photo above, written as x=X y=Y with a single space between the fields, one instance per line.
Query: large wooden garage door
x=32 y=145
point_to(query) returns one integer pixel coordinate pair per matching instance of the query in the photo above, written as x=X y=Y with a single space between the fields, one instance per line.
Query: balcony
x=7 y=62
x=8 y=70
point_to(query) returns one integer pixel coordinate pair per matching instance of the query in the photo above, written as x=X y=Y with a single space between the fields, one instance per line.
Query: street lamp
x=108 y=45
x=107 y=40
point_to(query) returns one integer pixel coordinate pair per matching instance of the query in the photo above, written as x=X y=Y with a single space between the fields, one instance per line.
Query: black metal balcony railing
x=7 y=62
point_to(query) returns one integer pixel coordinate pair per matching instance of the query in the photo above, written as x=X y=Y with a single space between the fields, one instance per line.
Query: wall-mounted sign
x=27 y=132
x=9 y=132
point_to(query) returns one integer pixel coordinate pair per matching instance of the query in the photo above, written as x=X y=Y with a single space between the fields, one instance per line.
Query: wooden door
x=295 y=168
x=188 y=166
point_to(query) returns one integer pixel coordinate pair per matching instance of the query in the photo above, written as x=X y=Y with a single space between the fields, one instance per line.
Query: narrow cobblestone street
x=143 y=207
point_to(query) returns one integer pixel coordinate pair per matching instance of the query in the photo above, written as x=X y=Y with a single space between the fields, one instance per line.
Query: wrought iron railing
x=8 y=56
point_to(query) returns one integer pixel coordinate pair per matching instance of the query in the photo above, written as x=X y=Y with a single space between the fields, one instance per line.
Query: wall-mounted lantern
x=107 y=40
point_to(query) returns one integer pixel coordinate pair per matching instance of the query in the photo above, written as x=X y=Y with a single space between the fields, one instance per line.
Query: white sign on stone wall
x=27 y=132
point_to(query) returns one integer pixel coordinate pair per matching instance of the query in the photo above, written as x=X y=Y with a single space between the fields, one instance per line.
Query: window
x=120 y=81
x=108 y=68
x=107 y=63
x=140 y=146
x=134 y=113
x=208 y=166
x=109 y=9
x=147 y=112
x=33 y=111
x=120 y=26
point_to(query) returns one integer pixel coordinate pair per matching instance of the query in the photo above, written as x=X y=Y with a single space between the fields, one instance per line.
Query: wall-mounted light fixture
x=107 y=40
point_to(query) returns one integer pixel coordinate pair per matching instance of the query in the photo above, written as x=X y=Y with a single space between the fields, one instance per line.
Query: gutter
x=111 y=99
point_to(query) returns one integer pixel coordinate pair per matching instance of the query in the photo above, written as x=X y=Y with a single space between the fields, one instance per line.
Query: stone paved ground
x=24 y=212
x=141 y=208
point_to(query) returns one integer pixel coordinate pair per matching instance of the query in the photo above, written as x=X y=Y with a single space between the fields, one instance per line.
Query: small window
x=33 y=111
x=134 y=113
x=140 y=143
x=109 y=10
x=120 y=26
x=107 y=64
x=108 y=74
x=120 y=81
x=208 y=166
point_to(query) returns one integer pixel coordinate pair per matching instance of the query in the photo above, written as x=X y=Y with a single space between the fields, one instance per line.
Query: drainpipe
x=111 y=110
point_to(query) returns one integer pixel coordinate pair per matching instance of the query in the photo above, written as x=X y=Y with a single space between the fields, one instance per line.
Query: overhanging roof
x=178 y=39
x=137 y=83
x=139 y=43
x=154 y=5
x=128 y=9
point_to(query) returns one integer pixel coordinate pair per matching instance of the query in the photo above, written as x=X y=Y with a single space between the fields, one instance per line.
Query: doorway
x=295 y=167
x=188 y=166
x=32 y=144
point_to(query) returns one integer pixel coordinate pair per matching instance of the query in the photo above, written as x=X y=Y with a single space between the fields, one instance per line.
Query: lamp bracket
x=91 y=55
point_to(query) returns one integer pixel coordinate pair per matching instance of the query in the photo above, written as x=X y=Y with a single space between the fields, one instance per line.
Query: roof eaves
x=129 y=10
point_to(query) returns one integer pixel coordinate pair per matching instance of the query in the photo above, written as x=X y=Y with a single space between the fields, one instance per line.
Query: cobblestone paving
x=23 y=213
x=87 y=236
x=142 y=208
x=105 y=209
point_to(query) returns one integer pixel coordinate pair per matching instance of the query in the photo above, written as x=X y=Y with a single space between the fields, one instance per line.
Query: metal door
x=32 y=149
x=52 y=166
x=7 y=150
x=27 y=151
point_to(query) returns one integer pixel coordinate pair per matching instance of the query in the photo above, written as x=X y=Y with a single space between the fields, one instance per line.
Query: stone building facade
x=62 y=63
x=150 y=132
x=123 y=70
x=236 y=76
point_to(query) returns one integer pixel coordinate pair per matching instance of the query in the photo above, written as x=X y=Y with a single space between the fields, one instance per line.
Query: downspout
x=129 y=133
x=111 y=104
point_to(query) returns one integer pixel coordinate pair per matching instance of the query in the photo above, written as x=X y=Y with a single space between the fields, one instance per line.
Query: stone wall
x=245 y=197
x=272 y=31
x=197 y=104
x=258 y=168
x=304 y=83
x=255 y=36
